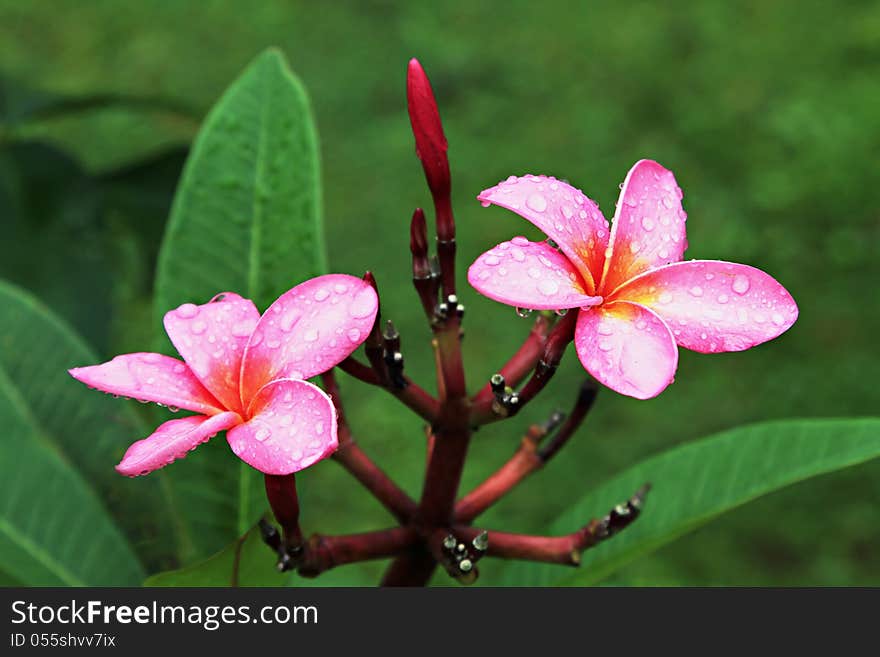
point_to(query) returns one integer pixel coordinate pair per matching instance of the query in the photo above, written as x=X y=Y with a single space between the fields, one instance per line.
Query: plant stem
x=517 y=368
x=324 y=552
x=530 y=456
x=353 y=459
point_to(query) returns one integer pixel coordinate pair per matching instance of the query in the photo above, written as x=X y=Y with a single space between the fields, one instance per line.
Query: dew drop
x=777 y=319
x=519 y=241
x=561 y=312
x=340 y=288
x=354 y=335
x=321 y=294
x=741 y=284
x=311 y=335
x=605 y=329
x=364 y=304
x=524 y=312
x=606 y=345
x=648 y=223
x=548 y=287
x=665 y=297
x=491 y=260
x=518 y=255
x=537 y=202
x=263 y=434
x=634 y=247
x=723 y=298
x=484 y=274
x=641 y=324
x=485 y=204
x=533 y=272
x=187 y=310
x=319 y=428
x=567 y=212
x=696 y=291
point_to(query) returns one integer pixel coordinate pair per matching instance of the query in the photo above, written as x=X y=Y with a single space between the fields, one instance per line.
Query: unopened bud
x=428 y=130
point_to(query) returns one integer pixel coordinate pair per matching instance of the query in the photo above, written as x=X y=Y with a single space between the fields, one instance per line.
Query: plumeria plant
x=267 y=348
x=621 y=294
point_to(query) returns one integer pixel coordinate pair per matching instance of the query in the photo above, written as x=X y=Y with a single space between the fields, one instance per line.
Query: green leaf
x=246 y=218
x=87 y=431
x=53 y=528
x=696 y=482
x=247 y=561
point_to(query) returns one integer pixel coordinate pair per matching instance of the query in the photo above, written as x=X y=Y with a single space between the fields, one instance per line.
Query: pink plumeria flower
x=637 y=300
x=245 y=373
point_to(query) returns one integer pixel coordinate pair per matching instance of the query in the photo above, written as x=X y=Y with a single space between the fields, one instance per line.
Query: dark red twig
x=353 y=459
x=324 y=552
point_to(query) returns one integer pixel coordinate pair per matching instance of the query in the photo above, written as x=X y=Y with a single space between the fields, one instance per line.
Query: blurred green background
x=767 y=112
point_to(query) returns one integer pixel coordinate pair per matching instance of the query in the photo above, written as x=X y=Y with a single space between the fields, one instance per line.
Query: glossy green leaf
x=246 y=218
x=696 y=482
x=58 y=441
x=89 y=431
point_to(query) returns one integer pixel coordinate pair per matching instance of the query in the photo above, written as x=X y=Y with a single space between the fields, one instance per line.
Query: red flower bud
x=428 y=130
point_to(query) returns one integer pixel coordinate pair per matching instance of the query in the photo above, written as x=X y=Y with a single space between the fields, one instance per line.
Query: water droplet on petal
x=647 y=223
x=484 y=274
x=187 y=310
x=548 y=287
x=364 y=304
x=518 y=255
x=519 y=241
x=723 y=298
x=319 y=428
x=340 y=288
x=665 y=297
x=561 y=312
x=537 y=202
x=741 y=284
x=354 y=335
x=321 y=294
x=533 y=272
x=311 y=335
x=491 y=260
x=777 y=319
x=524 y=312
x=485 y=204
x=198 y=327
x=263 y=434
x=606 y=345
x=634 y=247
x=696 y=291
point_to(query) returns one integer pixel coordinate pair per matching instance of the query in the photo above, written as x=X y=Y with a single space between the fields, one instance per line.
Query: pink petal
x=648 y=228
x=563 y=213
x=626 y=347
x=212 y=338
x=150 y=377
x=714 y=306
x=308 y=330
x=292 y=425
x=529 y=275
x=171 y=441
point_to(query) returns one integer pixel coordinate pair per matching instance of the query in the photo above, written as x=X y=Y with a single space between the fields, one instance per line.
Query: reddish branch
x=324 y=552
x=436 y=530
x=530 y=456
x=519 y=365
x=353 y=459
x=564 y=550
x=558 y=339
